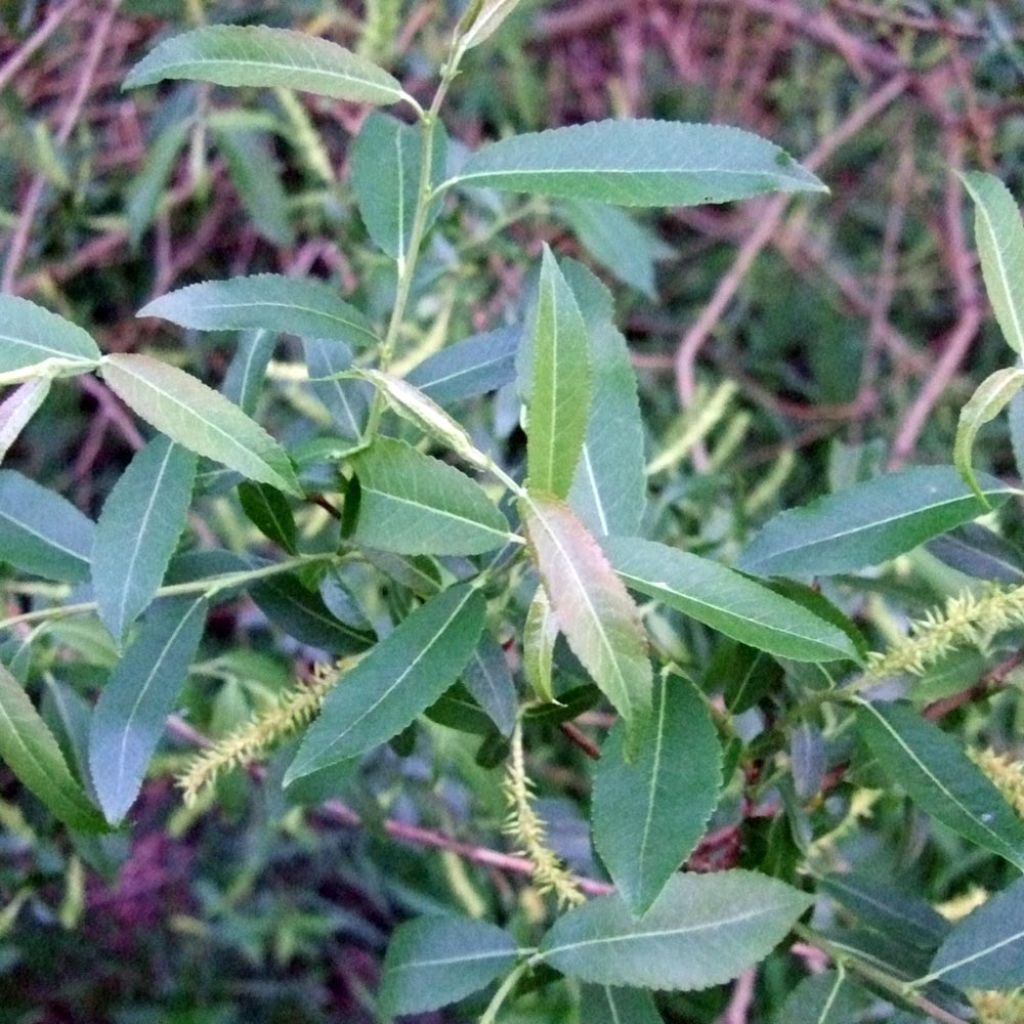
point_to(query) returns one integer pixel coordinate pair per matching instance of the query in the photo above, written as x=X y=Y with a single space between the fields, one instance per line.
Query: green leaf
x=745 y=676
x=256 y=176
x=18 y=409
x=28 y=748
x=259 y=56
x=609 y=490
x=649 y=814
x=269 y=510
x=285 y=305
x=138 y=530
x=539 y=635
x=305 y=616
x=940 y=778
x=487 y=677
x=992 y=396
x=617 y=242
x=142 y=197
x=727 y=601
x=979 y=552
x=347 y=400
x=385 y=165
x=141 y=692
x=41 y=532
x=559 y=385
x=986 y=949
x=1000 y=238
x=398 y=680
x=601 y=1004
x=591 y=605
x=434 y=961
x=868 y=523
x=475 y=366
x=703 y=930
x=244 y=379
x=35 y=342
x=638 y=163
x=826 y=998
x=414 y=504
x=482 y=19
x=200 y=419
x=885 y=909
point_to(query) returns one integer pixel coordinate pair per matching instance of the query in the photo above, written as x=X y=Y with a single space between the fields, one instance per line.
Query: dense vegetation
x=483 y=538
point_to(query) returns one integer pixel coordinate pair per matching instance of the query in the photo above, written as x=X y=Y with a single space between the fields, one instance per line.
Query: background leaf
x=434 y=961
x=398 y=680
x=591 y=605
x=138 y=530
x=987 y=402
x=31 y=335
x=256 y=176
x=130 y=716
x=347 y=400
x=560 y=389
x=1000 y=238
x=489 y=680
x=474 y=366
x=268 y=509
x=639 y=163
x=18 y=408
x=702 y=931
x=940 y=778
x=826 y=998
x=602 y=1004
x=195 y=416
x=28 y=748
x=41 y=532
x=301 y=306
x=259 y=56
x=414 y=504
x=868 y=523
x=244 y=379
x=649 y=813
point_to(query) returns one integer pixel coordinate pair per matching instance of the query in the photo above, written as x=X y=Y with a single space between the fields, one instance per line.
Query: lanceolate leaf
x=386 y=161
x=414 y=505
x=649 y=813
x=285 y=305
x=130 y=715
x=138 y=531
x=1000 y=238
x=979 y=552
x=986 y=950
x=591 y=605
x=41 y=532
x=434 y=961
x=244 y=379
x=726 y=601
x=269 y=510
x=483 y=18
x=256 y=177
x=602 y=1004
x=609 y=489
x=305 y=616
x=488 y=679
x=258 y=56
x=31 y=336
x=475 y=366
x=560 y=389
x=347 y=400
x=868 y=523
x=639 y=163
x=826 y=998
x=200 y=419
x=18 y=408
x=144 y=193
x=28 y=748
x=992 y=396
x=940 y=778
x=702 y=931
x=539 y=635
x=398 y=680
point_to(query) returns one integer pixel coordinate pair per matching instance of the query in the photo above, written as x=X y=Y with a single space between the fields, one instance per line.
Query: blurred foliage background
x=778 y=347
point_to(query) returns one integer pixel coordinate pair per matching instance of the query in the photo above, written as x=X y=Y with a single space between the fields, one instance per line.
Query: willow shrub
x=501 y=592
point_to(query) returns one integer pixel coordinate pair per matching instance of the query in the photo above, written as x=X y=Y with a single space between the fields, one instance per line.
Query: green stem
x=490 y=1015
x=407 y=262
x=900 y=989
x=208 y=586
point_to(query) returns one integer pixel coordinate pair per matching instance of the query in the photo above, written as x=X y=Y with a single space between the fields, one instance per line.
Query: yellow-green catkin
x=998 y=1007
x=530 y=832
x=380 y=29
x=1006 y=773
x=252 y=741
x=967 y=620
